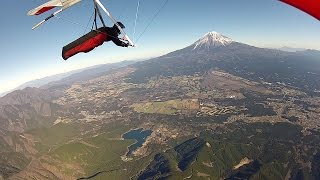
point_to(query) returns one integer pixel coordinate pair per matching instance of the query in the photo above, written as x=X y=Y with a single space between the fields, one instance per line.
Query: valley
x=214 y=110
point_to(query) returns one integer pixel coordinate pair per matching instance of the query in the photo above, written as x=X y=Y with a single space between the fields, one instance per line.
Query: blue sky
x=30 y=54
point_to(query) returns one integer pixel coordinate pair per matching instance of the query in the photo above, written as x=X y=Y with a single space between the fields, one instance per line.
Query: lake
x=139 y=135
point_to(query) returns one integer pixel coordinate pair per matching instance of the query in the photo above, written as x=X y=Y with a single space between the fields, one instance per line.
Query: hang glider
x=312 y=7
x=65 y=4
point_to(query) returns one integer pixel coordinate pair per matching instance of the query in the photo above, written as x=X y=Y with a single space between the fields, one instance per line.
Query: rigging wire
x=153 y=18
x=72 y=22
x=80 y=25
x=124 y=12
x=87 y=27
x=88 y=23
x=94 y=24
x=135 y=21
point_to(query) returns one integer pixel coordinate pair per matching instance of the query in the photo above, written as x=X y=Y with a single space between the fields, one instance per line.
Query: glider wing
x=52 y=4
x=311 y=7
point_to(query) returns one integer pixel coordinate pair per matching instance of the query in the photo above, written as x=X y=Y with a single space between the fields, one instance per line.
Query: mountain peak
x=211 y=40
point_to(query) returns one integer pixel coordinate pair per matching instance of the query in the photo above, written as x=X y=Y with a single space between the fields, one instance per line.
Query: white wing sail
x=45 y=7
x=50 y=5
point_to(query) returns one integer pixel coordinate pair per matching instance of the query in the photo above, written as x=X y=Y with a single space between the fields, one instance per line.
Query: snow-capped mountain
x=212 y=43
x=212 y=40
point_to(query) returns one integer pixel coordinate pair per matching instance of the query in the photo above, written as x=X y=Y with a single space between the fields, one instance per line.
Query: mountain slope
x=25 y=109
x=217 y=51
x=40 y=82
x=86 y=74
x=69 y=77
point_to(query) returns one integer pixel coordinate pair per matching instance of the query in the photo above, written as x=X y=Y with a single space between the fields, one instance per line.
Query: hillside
x=217 y=109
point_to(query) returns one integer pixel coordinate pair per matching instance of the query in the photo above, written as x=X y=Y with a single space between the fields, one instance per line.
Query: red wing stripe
x=44 y=9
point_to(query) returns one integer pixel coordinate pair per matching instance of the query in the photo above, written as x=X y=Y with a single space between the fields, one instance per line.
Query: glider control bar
x=114 y=21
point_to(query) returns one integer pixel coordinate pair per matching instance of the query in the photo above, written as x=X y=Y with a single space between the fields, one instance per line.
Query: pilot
x=94 y=39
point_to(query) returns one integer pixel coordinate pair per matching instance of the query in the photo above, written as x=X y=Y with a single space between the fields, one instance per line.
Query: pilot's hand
x=125 y=44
